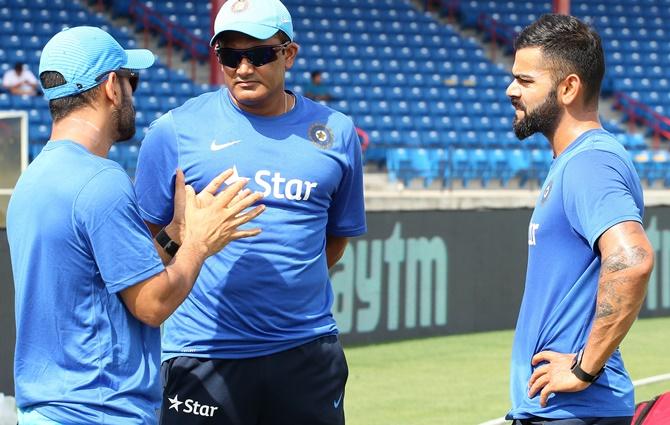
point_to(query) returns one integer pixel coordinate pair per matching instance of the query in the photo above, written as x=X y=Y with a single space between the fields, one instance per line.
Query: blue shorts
x=301 y=386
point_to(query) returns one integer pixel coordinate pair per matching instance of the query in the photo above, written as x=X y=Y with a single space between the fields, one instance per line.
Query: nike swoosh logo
x=214 y=147
x=336 y=403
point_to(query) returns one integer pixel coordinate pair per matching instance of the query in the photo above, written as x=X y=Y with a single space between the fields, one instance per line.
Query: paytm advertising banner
x=429 y=273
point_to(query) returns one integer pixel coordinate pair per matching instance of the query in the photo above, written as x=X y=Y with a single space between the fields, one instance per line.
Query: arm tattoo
x=623 y=259
x=610 y=298
x=604 y=309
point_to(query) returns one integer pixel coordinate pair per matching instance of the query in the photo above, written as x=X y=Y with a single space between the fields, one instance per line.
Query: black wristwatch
x=166 y=242
x=580 y=373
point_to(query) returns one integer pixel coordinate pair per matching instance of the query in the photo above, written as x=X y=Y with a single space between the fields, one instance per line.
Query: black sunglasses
x=132 y=76
x=257 y=56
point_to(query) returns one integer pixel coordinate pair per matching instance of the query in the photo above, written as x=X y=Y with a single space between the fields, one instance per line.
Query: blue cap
x=260 y=19
x=82 y=54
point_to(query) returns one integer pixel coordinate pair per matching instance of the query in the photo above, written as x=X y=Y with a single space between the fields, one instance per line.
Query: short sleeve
x=346 y=215
x=155 y=174
x=106 y=214
x=598 y=193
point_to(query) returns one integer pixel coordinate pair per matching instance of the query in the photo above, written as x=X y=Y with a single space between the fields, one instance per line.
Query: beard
x=543 y=119
x=124 y=118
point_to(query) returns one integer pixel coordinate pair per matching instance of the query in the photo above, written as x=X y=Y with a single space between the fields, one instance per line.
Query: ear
x=290 y=54
x=112 y=89
x=570 y=89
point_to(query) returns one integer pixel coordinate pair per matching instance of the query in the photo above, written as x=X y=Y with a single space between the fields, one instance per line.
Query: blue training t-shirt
x=590 y=187
x=271 y=292
x=76 y=240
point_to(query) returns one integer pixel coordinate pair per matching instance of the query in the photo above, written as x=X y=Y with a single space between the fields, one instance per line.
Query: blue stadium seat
x=540 y=161
x=432 y=138
x=394 y=138
x=518 y=164
x=425 y=122
x=421 y=164
x=644 y=166
x=412 y=138
x=399 y=165
x=441 y=165
x=461 y=166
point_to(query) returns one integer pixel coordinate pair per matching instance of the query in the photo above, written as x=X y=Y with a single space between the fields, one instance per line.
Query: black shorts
x=622 y=420
x=301 y=386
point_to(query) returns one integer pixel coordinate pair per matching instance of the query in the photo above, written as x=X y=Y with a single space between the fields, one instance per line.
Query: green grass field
x=463 y=379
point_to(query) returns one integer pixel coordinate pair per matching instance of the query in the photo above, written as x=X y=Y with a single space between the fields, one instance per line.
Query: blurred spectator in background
x=20 y=80
x=316 y=90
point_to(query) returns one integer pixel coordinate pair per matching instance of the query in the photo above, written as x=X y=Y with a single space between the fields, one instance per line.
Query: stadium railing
x=174 y=34
x=642 y=114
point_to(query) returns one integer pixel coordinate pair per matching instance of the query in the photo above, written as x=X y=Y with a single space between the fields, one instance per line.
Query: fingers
x=248 y=216
x=189 y=198
x=245 y=203
x=543 y=356
x=179 y=182
x=217 y=181
x=241 y=195
x=537 y=384
x=544 y=396
x=540 y=371
x=224 y=197
x=240 y=234
x=179 y=194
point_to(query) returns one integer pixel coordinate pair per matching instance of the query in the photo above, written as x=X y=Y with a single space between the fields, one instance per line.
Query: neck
x=84 y=130
x=572 y=125
x=279 y=105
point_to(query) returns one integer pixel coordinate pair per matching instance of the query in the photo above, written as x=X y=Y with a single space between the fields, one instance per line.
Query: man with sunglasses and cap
x=91 y=284
x=255 y=342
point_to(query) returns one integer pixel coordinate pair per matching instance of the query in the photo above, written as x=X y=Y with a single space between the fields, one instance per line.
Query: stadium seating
x=26 y=26
x=411 y=82
x=635 y=38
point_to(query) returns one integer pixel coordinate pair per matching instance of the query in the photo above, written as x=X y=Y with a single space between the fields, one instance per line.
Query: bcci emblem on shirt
x=321 y=136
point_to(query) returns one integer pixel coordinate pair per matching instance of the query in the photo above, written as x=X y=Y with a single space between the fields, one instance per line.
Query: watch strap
x=165 y=241
x=582 y=375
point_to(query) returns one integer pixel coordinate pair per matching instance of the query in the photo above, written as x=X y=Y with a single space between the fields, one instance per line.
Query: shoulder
x=107 y=183
x=599 y=166
x=196 y=105
x=598 y=148
x=323 y=113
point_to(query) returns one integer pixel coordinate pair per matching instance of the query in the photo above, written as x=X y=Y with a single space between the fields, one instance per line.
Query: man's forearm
x=182 y=273
x=173 y=231
x=621 y=289
x=155 y=299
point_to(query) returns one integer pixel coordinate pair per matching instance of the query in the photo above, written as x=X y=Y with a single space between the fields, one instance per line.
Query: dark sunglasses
x=257 y=56
x=132 y=76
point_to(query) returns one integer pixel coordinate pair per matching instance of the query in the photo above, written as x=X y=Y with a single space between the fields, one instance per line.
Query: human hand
x=176 y=227
x=211 y=219
x=554 y=376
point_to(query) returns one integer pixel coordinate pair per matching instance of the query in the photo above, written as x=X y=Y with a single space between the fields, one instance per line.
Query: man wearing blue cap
x=255 y=342
x=91 y=289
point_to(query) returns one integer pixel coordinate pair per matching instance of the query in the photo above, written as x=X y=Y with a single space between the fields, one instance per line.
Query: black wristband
x=166 y=242
x=577 y=370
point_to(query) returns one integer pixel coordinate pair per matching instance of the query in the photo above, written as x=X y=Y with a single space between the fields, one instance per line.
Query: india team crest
x=547 y=191
x=240 y=6
x=321 y=136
